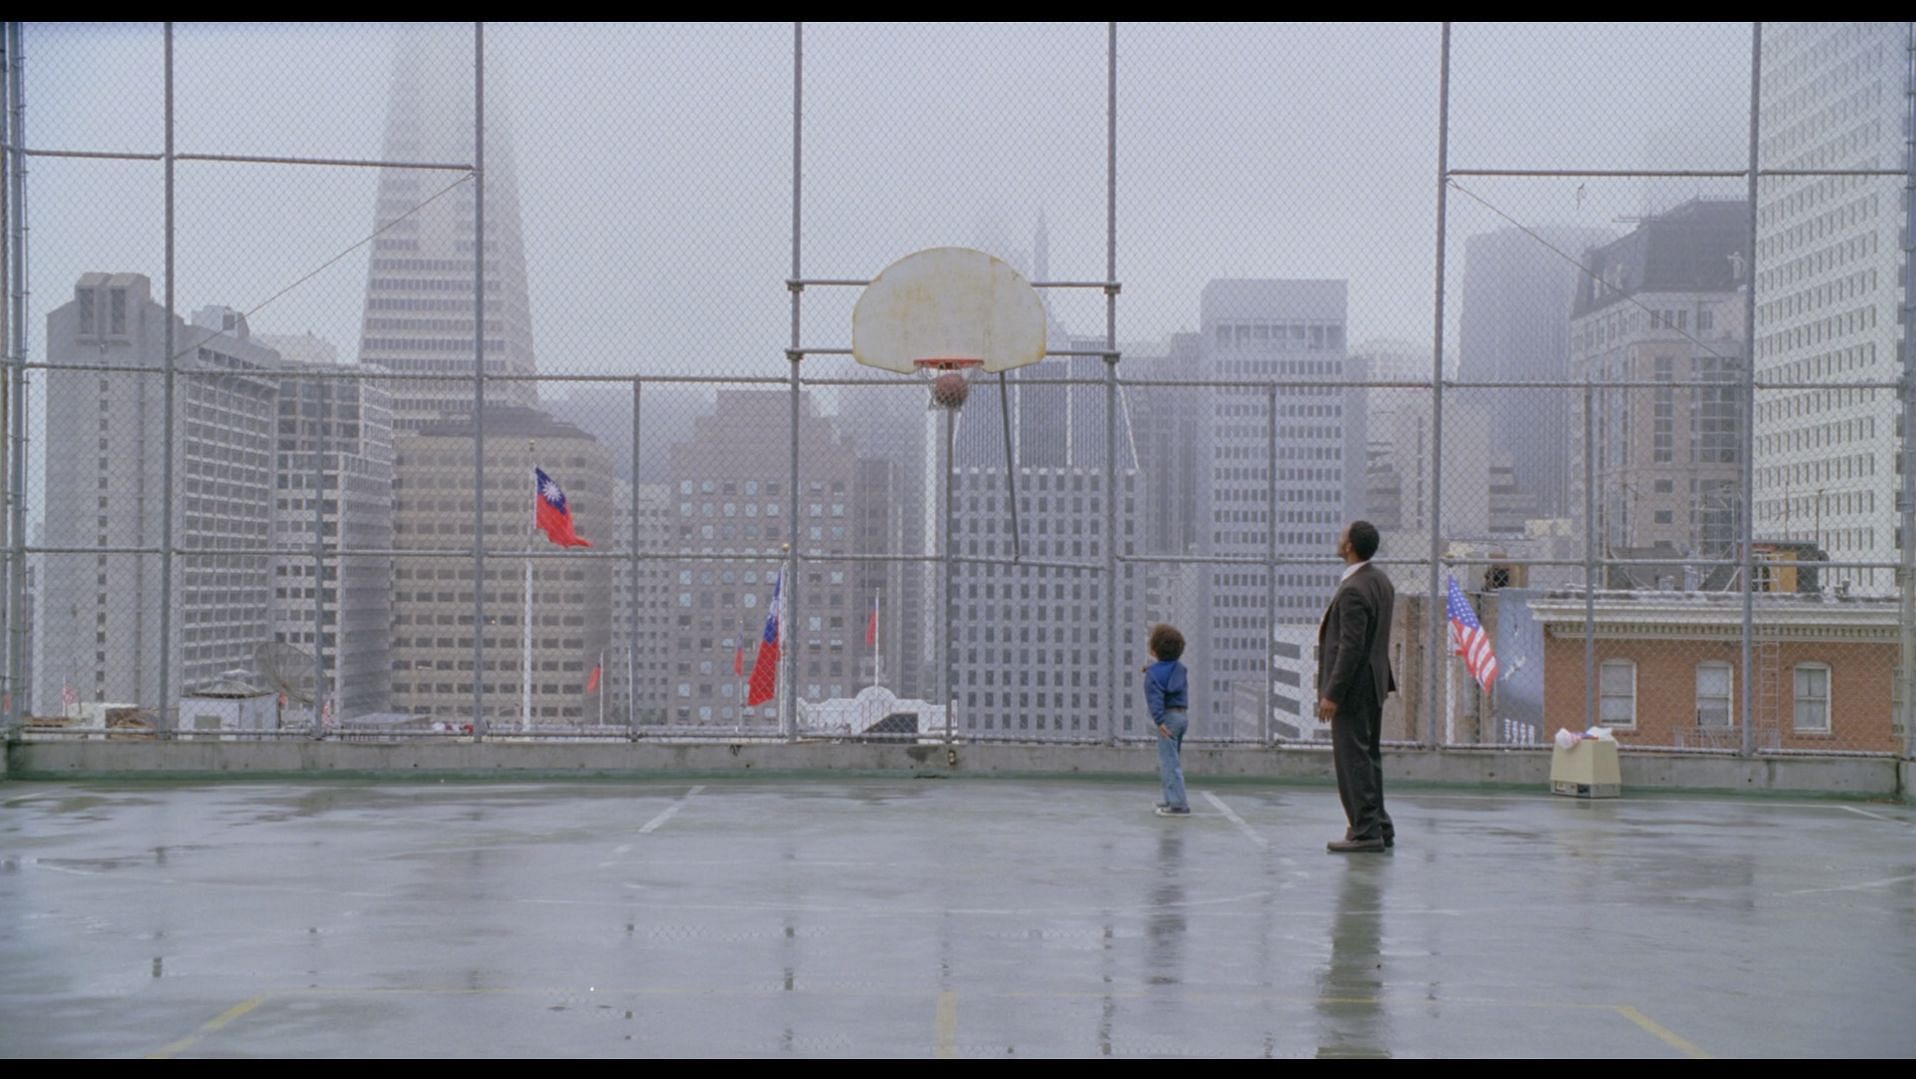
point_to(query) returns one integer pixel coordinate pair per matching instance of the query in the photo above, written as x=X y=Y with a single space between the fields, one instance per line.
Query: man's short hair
x=1166 y=641
x=1364 y=539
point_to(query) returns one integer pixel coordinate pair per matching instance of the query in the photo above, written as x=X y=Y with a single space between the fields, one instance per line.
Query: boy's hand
x=1326 y=709
x=1163 y=731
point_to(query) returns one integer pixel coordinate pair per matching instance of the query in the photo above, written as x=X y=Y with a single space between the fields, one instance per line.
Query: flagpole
x=525 y=634
x=778 y=684
x=525 y=671
x=878 y=647
x=784 y=638
x=600 y=670
x=631 y=690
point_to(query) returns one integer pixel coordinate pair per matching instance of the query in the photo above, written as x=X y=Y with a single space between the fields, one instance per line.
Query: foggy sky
x=655 y=163
x=654 y=166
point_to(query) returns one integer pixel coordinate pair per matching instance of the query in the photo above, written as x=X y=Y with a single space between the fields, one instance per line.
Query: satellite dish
x=287 y=670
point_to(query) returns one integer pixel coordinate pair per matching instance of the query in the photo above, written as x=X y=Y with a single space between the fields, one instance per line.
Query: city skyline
x=1195 y=459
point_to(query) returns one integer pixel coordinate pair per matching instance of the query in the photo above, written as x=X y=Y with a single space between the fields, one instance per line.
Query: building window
x=1713 y=696
x=1813 y=698
x=1617 y=682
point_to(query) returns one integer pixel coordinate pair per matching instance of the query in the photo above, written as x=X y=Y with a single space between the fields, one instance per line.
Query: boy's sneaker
x=1174 y=811
x=1161 y=805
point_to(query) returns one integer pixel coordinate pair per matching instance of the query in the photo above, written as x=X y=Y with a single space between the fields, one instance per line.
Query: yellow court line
x=222 y=1020
x=946 y=1022
x=1662 y=1032
x=947 y=1026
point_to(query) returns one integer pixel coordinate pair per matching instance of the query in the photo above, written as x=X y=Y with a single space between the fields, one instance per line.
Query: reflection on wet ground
x=978 y=918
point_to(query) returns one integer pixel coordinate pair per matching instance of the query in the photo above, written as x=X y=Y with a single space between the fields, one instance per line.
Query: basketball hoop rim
x=948 y=363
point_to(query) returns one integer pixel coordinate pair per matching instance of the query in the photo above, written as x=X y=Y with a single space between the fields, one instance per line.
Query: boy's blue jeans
x=1170 y=767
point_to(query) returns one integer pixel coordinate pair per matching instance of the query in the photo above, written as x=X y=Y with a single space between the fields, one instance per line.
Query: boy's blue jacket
x=1164 y=688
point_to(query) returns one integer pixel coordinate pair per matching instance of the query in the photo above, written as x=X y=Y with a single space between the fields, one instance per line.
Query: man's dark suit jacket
x=1353 y=640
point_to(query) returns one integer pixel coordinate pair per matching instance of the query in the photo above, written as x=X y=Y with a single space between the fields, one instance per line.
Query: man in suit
x=1353 y=678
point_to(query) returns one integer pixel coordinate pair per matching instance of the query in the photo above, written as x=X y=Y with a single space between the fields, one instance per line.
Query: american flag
x=68 y=698
x=1468 y=639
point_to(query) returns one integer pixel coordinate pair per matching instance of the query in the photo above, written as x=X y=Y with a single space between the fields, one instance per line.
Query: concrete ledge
x=1857 y=777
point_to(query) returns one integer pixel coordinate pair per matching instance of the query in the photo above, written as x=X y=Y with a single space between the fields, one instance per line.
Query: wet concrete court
x=978 y=918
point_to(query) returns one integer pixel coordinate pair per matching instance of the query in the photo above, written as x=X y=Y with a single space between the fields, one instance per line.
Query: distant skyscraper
x=419 y=319
x=1031 y=642
x=301 y=350
x=1666 y=305
x=433 y=604
x=1830 y=290
x=666 y=413
x=334 y=461
x=1266 y=329
x=894 y=428
x=637 y=670
x=419 y=293
x=1031 y=652
x=1166 y=422
x=336 y=445
x=654 y=596
x=100 y=623
x=1515 y=327
x=735 y=498
x=1403 y=467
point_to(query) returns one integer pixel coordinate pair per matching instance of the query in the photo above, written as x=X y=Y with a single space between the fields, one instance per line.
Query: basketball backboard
x=948 y=306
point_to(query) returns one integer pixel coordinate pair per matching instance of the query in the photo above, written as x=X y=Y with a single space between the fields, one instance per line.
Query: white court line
x=1871 y=816
x=1852 y=887
x=1237 y=820
x=1706 y=799
x=671 y=811
x=71 y=871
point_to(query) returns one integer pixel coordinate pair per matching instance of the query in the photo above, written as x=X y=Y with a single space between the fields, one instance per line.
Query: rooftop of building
x=833 y=916
x=505 y=421
x=1699 y=246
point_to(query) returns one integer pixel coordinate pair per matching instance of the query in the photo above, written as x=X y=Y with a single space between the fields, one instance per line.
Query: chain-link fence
x=495 y=381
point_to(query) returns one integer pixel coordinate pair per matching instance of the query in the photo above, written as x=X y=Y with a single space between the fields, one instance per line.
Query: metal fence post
x=479 y=383
x=1113 y=587
x=788 y=638
x=1906 y=669
x=948 y=692
x=166 y=421
x=319 y=565
x=1437 y=664
x=1266 y=732
x=632 y=593
x=13 y=253
x=1748 y=531
x=1589 y=553
x=788 y=617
